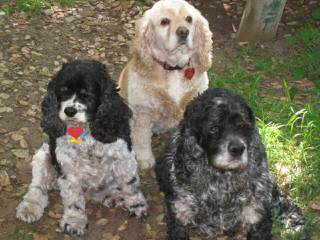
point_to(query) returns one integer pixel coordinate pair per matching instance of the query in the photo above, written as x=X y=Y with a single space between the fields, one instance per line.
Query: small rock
x=23 y=143
x=123 y=226
x=121 y=38
x=160 y=218
x=21 y=153
x=102 y=222
x=314 y=205
x=5 y=109
x=70 y=19
x=54 y=215
x=45 y=72
x=40 y=237
x=101 y=6
x=124 y=59
x=110 y=236
x=4 y=96
x=16 y=137
x=4 y=178
x=48 y=12
x=293 y=23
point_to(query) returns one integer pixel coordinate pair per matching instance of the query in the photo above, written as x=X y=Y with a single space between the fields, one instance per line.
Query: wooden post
x=260 y=20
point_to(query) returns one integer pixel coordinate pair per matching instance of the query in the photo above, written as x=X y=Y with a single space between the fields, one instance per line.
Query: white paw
x=139 y=210
x=74 y=225
x=29 y=211
x=146 y=163
x=113 y=202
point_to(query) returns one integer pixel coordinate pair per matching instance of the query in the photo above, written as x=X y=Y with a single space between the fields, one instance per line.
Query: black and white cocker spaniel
x=215 y=173
x=89 y=151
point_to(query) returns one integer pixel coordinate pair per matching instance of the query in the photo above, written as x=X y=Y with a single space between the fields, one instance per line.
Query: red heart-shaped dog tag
x=188 y=73
x=75 y=132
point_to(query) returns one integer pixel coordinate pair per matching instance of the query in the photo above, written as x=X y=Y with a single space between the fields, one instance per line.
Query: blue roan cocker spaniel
x=89 y=151
x=215 y=173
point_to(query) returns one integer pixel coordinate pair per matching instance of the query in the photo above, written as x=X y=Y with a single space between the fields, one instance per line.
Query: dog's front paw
x=29 y=211
x=146 y=163
x=74 y=225
x=111 y=202
x=139 y=210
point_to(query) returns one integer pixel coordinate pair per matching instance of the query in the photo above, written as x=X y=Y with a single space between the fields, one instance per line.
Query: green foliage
x=316 y=14
x=306 y=62
x=67 y=2
x=20 y=235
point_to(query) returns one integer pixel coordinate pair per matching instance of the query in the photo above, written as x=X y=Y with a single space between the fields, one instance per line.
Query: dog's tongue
x=75 y=132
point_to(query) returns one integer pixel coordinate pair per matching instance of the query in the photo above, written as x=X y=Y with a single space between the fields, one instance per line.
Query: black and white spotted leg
x=44 y=178
x=74 y=219
x=175 y=229
x=262 y=229
x=125 y=169
x=134 y=199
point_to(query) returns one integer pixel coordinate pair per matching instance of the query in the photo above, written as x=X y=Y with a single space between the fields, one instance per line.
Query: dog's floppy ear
x=112 y=118
x=50 y=122
x=144 y=38
x=203 y=43
x=194 y=115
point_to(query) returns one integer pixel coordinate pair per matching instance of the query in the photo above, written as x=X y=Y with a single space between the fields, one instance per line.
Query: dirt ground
x=33 y=49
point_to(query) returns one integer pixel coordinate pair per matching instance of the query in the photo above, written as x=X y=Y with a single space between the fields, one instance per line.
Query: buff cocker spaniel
x=171 y=54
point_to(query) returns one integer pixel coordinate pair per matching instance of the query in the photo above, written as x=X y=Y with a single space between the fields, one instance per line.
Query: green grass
x=290 y=129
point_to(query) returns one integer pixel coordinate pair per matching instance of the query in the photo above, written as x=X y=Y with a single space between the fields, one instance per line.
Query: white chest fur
x=178 y=86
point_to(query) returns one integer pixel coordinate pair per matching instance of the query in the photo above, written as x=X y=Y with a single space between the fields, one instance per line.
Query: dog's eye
x=64 y=89
x=165 y=21
x=83 y=91
x=189 y=19
x=244 y=125
x=214 y=130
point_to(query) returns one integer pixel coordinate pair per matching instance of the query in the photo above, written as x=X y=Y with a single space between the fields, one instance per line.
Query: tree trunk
x=260 y=20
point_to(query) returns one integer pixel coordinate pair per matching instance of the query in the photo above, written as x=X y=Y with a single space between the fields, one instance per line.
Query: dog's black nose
x=236 y=148
x=182 y=32
x=70 y=111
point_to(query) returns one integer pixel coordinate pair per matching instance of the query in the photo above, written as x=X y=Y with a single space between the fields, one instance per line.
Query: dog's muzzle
x=182 y=33
x=236 y=148
x=70 y=111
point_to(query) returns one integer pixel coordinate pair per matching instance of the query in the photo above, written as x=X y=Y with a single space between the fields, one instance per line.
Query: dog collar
x=77 y=134
x=167 y=66
x=188 y=72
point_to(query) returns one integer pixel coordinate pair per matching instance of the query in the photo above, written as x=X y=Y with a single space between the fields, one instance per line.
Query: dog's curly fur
x=215 y=173
x=158 y=96
x=102 y=167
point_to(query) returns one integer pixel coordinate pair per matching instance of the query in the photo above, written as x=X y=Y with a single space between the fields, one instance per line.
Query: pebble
x=4 y=178
x=102 y=222
x=5 y=110
x=16 y=137
x=110 y=236
x=21 y=153
x=123 y=226
x=314 y=205
x=4 y=96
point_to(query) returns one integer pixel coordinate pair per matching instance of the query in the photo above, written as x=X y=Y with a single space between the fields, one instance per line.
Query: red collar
x=188 y=72
x=166 y=66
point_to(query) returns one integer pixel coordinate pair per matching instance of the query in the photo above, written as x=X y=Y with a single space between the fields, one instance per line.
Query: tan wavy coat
x=158 y=96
